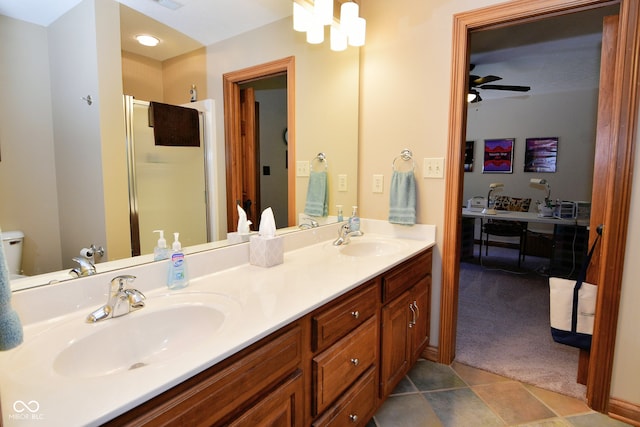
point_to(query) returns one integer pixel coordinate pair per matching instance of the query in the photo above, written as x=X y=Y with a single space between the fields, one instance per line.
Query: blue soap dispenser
x=178 y=266
x=354 y=221
x=161 y=251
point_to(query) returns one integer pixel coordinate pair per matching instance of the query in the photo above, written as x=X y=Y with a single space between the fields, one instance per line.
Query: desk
x=569 y=241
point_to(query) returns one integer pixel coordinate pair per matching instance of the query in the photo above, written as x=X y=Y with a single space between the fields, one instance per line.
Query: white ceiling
x=556 y=54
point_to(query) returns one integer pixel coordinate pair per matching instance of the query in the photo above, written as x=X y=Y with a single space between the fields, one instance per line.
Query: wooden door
x=395 y=354
x=249 y=147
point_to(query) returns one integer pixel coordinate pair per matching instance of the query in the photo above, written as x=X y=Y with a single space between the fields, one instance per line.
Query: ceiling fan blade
x=506 y=87
x=486 y=79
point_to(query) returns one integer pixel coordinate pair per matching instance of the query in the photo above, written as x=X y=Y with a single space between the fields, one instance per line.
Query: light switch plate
x=302 y=168
x=342 y=182
x=434 y=167
x=378 y=183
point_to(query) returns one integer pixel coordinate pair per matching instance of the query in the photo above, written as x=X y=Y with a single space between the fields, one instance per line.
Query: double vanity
x=321 y=339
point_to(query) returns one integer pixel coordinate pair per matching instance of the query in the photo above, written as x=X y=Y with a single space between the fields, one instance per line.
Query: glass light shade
x=338 y=39
x=323 y=11
x=357 y=36
x=315 y=32
x=471 y=97
x=301 y=17
x=348 y=13
x=146 y=40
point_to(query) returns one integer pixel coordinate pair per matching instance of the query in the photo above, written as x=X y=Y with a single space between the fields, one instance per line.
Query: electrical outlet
x=434 y=167
x=342 y=182
x=378 y=183
x=302 y=168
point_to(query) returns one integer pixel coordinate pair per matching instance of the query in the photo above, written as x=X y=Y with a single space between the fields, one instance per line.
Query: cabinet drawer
x=403 y=277
x=336 y=368
x=334 y=323
x=355 y=407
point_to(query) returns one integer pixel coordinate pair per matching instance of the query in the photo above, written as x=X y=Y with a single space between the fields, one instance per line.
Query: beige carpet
x=503 y=324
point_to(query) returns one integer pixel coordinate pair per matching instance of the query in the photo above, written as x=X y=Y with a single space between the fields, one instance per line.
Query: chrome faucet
x=345 y=234
x=121 y=301
x=86 y=267
x=312 y=223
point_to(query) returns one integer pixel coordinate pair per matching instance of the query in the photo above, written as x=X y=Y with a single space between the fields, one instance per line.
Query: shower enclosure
x=167 y=184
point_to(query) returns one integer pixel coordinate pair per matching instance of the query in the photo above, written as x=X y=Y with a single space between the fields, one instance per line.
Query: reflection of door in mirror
x=257 y=109
x=166 y=183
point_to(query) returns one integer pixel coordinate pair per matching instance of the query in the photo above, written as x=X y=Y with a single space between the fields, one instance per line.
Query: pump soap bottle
x=161 y=251
x=178 y=266
x=354 y=221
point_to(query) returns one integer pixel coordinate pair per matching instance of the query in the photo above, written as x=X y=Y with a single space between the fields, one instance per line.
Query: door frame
x=624 y=101
x=232 y=130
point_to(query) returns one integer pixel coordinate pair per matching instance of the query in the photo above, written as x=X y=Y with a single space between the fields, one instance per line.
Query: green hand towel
x=402 y=203
x=317 y=195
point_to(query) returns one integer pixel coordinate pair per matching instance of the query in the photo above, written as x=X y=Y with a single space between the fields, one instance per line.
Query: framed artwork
x=540 y=154
x=498 y=155
x=468 y=156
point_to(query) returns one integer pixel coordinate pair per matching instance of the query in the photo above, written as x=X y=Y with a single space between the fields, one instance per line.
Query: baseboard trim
x=624 y=411
x=431 y=353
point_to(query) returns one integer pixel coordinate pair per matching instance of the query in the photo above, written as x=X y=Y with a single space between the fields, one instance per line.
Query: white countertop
x=263 y=300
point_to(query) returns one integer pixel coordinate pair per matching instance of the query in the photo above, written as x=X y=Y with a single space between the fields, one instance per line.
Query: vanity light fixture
x=311 y=16
x=147 y=40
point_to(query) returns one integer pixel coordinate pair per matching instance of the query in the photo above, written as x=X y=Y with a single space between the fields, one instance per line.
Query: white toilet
x=12 y=245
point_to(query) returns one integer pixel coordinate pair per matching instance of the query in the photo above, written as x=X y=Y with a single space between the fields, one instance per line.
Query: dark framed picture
x=498 y=155
x=468 y=156
x=540 y=154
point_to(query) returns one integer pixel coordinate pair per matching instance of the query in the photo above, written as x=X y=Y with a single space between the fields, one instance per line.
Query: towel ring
x=405 y=155
x=320 y=159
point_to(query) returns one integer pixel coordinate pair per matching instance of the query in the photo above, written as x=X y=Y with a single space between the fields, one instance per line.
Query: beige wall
x=405 y=89
x=142 y=77
x=26 y=144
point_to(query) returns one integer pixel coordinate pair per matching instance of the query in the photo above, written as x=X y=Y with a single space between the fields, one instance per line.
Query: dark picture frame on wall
x=468 y=156
x=498 y=155
x=540 y=154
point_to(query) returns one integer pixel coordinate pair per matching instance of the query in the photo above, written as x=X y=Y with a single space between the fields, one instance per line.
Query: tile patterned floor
x=460 y=396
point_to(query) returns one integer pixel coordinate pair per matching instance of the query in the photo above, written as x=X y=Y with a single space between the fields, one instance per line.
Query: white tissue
x=243 y=224
x=267 y=224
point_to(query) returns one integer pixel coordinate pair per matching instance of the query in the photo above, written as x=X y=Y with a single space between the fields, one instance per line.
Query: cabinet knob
x=355 y=314
x=355 y=361
x=353 y=418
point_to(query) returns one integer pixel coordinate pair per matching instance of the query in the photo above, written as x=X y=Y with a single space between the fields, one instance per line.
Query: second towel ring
x=321 y=159
x=405 y=155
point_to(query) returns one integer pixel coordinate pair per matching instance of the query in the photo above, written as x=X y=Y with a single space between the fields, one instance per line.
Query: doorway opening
x=243 y=146
x=620 y=137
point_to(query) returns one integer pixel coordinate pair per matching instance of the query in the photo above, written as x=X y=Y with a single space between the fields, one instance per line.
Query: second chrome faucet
x=121 y=300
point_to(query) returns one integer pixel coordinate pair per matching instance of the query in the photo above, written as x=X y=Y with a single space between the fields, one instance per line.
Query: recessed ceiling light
x=147 y=40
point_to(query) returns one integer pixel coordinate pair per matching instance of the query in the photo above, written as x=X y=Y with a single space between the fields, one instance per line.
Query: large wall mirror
x=63 y=165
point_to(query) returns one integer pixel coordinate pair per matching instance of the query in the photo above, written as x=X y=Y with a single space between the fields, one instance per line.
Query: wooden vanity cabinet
x=260 y=386
x=405 y=319
x=344 y=366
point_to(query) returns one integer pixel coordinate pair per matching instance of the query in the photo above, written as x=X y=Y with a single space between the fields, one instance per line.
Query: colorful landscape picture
x=498 y=156
x=540 y=154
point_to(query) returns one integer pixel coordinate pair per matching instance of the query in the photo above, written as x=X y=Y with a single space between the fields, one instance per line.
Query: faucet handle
x=118 y=282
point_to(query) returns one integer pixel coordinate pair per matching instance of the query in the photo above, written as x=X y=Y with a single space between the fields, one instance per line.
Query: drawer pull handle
x=355 y=361
x=353 y=418
x=355 y=314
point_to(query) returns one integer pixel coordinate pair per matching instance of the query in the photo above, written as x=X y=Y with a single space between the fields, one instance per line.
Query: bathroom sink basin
x=171 y=327
x=371 y=246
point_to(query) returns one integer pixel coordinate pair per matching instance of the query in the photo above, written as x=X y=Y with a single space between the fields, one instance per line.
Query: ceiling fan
x=477 y=82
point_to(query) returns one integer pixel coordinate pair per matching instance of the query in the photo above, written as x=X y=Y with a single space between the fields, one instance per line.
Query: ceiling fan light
x=471 y=97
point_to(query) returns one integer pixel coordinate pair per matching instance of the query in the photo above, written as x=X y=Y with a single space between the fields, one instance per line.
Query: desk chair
x=507 y=228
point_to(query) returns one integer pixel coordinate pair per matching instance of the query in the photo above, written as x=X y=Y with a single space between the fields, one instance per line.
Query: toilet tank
x=12 y=245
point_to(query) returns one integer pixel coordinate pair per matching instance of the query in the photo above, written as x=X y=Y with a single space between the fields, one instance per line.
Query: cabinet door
x=281 y=408
x=395 y=355
x=421 y=312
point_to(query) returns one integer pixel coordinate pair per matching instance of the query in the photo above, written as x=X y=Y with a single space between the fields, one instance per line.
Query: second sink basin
x=371 y=246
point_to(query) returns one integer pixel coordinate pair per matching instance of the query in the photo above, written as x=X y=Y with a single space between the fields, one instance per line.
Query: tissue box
x=236 y=237
x=266 y=251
